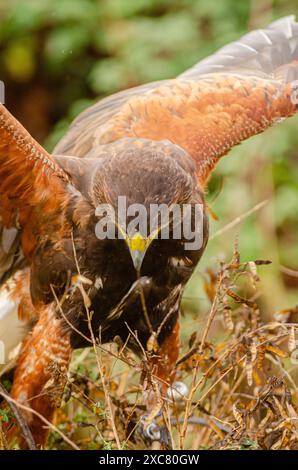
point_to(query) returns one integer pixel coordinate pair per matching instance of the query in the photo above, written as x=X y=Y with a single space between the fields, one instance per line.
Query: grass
x=239 y=372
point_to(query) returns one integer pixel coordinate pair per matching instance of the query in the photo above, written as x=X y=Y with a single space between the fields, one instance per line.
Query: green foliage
x=5 y=415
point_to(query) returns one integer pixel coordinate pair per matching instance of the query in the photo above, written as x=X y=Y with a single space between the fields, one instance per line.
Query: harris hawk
x=156 y=143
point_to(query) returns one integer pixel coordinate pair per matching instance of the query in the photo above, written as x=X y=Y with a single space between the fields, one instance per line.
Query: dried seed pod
x=275 y=350
x=288 y=396
x=292 y=345
x=240 y=300
x=253 y=350
x=262 y=262
x=192 y=339
x=237 y=415
x=253 y=269
x=249 y=369
x=261 y=354
x=227 y=314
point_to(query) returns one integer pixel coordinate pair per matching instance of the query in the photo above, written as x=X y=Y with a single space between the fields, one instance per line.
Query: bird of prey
x=153 y=144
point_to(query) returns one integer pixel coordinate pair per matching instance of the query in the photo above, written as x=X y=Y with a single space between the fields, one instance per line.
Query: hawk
x=156 y=143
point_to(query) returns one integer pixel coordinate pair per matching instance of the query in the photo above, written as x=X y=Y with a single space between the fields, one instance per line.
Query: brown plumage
x=156 y=143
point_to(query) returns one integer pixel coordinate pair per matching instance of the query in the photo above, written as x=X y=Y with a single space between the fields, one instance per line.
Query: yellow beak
x=138 y=246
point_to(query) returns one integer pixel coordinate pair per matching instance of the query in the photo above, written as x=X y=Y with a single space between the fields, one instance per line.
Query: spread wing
x=79 y=139
x=31 y=183
x=238 y=92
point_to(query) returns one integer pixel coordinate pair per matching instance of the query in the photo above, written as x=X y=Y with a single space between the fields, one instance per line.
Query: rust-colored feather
x=30 y=180
x=41 y=374
x=206 y=118
x=240 y=91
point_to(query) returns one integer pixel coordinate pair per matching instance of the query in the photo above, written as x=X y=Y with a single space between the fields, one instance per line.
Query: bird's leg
x=161 y=375
x=161 y=368
x=164 y=364
x=40 y=376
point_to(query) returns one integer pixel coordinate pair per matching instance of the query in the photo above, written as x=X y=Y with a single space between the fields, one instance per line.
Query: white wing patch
x=6 y=304
x=12 y=330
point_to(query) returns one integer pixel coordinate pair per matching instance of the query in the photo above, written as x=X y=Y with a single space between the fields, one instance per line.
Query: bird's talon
x=151 y=432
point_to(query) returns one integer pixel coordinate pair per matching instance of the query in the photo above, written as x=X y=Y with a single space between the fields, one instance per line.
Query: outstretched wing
x=30 y=181
x=79 y=139
x=238 y=92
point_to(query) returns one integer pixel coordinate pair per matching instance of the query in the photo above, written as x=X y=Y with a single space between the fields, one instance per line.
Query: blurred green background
x=58 y=56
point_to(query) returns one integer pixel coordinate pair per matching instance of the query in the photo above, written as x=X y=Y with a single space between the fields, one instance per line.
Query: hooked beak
x=138 y=246
x=137 y=259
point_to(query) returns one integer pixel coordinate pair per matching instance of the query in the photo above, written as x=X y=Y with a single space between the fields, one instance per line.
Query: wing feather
x=79 y=139
x=238 y=92
x=206 y=118
x=30 y=180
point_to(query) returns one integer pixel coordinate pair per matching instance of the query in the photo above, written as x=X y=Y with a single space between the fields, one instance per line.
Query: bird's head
x=124 y=213
x=136 y=192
